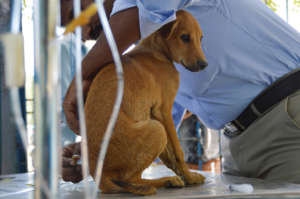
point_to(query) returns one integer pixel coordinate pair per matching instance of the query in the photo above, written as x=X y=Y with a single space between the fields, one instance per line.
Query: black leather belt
x=280 y=89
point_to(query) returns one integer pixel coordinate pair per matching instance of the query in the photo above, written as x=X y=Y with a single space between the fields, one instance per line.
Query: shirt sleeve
x=120 y=5
x=152 y=13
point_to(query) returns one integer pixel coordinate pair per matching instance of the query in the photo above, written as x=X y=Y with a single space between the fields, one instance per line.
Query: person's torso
x=247 y=48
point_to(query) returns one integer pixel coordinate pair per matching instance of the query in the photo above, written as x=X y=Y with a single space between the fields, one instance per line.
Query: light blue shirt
x=247 y=47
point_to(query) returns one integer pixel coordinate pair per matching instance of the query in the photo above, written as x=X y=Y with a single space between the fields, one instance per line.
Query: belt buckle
x=230 y=130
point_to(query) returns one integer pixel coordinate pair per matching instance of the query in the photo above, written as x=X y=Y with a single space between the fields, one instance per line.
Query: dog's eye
x=185 y=38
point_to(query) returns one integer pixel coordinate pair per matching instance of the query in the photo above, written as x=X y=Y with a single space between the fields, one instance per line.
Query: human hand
x=71 y=171
x=70 y=104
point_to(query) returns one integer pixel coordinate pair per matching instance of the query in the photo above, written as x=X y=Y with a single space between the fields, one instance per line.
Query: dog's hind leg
x=107 y=186
x=169 y=182
x=133 y=147
x=148 y=186
x=136 y=188
x=150 y=140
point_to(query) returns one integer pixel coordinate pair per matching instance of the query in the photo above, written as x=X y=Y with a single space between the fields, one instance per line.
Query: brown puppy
x=145 y=128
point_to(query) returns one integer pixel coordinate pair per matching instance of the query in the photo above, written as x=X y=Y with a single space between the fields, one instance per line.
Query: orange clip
x=82 y=19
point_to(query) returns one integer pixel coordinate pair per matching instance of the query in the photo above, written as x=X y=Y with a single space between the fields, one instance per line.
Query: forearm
x=125 y=28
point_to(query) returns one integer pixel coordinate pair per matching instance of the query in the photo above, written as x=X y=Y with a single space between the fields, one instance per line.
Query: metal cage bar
x=46 y=17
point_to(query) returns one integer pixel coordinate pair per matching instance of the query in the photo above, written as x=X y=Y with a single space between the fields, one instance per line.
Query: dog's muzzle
x=199 y=65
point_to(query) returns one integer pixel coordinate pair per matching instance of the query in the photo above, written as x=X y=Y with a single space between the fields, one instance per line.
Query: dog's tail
x=140 y=189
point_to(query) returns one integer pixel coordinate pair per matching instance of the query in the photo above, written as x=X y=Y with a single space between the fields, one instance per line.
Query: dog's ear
x=167 y=30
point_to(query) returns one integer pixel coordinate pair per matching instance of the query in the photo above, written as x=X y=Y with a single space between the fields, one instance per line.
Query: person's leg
x=270 y=147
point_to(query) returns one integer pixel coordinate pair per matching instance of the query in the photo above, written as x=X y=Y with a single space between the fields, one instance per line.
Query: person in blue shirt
x=248 y=87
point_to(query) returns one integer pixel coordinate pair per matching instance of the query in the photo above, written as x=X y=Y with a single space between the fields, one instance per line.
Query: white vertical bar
x=46 y=97
x=120 y=90
x=14 y=92
x=16 y=16
x=80 y=103
x=40 y=57
x=287 y=11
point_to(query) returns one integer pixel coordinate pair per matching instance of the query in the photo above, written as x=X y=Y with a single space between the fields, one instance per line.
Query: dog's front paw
x=175 y=182
x=194 y=178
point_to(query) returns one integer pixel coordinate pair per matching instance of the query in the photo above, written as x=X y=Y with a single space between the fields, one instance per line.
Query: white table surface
x=21 y=186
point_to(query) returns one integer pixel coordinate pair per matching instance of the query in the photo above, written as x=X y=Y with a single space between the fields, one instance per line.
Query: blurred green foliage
x=273 y=5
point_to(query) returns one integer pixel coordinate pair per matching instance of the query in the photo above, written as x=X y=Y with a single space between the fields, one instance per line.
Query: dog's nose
x=202 y=64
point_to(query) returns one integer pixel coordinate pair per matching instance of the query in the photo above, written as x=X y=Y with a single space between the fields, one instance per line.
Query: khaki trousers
x=270 y=147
